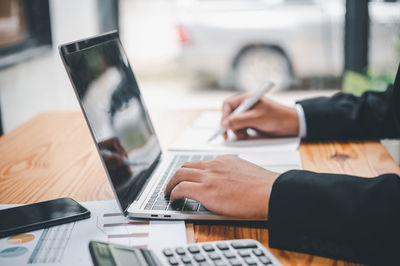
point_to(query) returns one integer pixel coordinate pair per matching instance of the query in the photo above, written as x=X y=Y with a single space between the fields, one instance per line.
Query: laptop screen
x=111 y=100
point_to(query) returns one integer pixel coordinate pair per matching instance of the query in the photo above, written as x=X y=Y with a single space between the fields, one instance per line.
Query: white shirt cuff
x=302 y=121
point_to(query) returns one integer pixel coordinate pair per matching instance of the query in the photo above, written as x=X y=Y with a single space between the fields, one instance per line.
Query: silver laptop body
x=121 y=128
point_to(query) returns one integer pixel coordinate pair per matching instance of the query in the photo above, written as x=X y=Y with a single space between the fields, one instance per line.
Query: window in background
x=24 y=30
x=12 y=22
x=295 y=43
x=240 y=43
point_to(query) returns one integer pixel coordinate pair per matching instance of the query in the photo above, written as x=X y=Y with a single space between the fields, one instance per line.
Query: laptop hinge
x=152 y=168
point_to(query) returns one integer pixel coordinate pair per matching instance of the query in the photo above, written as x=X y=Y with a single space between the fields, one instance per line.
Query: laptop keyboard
x=158 y=201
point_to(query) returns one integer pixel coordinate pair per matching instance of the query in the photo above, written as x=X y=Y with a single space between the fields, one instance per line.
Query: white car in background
x=243 y=43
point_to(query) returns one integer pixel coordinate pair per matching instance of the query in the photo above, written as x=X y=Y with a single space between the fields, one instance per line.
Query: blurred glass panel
x=297 y=43
x=384 y=49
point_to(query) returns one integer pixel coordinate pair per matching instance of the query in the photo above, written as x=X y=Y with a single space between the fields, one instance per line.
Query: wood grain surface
x=53 y=155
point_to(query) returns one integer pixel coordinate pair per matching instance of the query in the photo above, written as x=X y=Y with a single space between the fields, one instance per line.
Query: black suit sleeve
x=344 y=116
x=337 y=216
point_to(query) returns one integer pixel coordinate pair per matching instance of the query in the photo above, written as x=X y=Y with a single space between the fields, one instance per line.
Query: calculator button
x=199 y=258
x=185 y=259
x=168 y=252
x=258 y=252
x=214 y=256
x=244 y=253
x=235 y=262
x=229 y=254
x=219 y=263
x=222 y=246
x=250 y=261
x=264 y=260
x=243 y=244
x=208 y=248
x=193 y=249
x=173 y=261
x=180 y=251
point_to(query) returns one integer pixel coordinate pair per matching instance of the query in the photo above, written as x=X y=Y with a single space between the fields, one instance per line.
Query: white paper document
x=67 y=244
x=276 y=161
x=195 y=138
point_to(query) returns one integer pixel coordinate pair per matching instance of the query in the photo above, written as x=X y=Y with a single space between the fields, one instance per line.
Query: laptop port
x=154 y=215
x=167 y=216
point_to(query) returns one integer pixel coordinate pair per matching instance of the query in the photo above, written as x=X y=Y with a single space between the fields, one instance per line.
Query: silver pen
x=246 y=105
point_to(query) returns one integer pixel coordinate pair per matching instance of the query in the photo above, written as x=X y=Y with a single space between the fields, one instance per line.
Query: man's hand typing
x=227 y=185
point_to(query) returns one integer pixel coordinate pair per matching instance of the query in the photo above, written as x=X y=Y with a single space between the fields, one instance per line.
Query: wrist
x=290 y=121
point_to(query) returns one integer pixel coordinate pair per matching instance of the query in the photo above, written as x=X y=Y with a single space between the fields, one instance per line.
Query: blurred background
x=195 y=53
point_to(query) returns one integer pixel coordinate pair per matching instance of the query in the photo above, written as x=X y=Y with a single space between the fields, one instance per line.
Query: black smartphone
x=40 y=215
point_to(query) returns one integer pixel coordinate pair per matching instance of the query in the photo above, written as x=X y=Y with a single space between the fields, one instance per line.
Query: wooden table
x=53 y=155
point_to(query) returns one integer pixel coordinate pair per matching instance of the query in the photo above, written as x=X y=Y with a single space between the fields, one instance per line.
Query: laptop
x=116 y=114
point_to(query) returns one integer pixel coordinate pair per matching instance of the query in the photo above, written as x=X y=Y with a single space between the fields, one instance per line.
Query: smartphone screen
x=39 y=215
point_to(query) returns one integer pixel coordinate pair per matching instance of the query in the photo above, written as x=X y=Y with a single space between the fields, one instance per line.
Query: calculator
x=218 y=253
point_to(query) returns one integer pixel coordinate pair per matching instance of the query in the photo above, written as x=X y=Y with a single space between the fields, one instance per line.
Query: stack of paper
x=195 y=138
x=275 y=154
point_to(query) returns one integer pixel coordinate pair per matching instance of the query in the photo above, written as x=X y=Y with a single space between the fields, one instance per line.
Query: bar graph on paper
x=51 y=245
